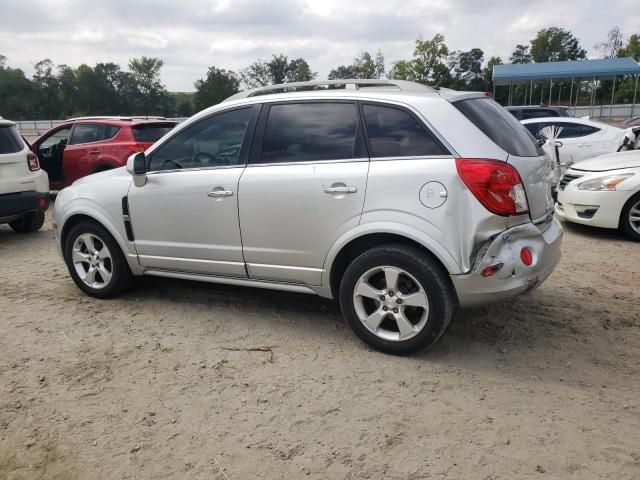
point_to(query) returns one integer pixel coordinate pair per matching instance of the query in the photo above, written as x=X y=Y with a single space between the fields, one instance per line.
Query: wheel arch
x=350 y=246
x=74 y=218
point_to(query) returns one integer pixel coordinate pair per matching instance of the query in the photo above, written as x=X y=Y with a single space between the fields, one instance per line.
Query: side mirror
x=137 y=167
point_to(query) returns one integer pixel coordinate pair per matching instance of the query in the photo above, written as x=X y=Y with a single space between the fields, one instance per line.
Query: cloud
x=192 y=35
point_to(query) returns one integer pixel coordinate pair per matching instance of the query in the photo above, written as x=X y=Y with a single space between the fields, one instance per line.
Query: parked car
x=630 y=122
x=580 y=138
x=402 y=202
x=24 y=187
x=82 y=146
x=525 y=112
x=603 y=192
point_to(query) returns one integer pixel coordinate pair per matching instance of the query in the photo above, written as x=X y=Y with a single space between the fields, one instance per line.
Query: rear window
x=10 y=140
x=500 y=126
x=539 y=113
x=151 y=133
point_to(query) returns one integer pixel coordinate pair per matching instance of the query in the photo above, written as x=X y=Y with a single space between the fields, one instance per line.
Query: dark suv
x=82 y=146
x=526 y=112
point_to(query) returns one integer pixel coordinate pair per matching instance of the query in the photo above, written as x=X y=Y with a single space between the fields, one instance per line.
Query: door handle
x=344 y=189
x=220 y=193
x=93 y=152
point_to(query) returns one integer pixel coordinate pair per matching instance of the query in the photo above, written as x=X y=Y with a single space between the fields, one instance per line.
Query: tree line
x=62 y=91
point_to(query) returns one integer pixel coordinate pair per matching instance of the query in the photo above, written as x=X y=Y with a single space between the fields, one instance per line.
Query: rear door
x=533 y=165
x=303 y=188
x=83 y=150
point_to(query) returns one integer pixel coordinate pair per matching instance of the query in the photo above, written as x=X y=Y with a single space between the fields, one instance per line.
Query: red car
x=82 y=146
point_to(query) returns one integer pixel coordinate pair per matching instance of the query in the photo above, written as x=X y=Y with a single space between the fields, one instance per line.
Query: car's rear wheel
x=396 y=298
x=95 y=261
x=630 y=218
x=29 y=223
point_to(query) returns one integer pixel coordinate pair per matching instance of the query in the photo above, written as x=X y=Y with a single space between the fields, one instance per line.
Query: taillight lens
x=497 y=185
x=32 y=160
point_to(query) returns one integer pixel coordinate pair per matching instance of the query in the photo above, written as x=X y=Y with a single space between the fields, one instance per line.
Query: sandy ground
x=149 y=386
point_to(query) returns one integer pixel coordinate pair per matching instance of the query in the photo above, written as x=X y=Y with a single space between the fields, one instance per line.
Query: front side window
x=539 y=113
x=309 y=132
x=92 y=132
x=394 y=132
x=213 y=142
x=60 y=136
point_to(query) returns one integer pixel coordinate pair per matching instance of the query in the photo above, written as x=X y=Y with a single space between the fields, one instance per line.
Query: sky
x=191 y=35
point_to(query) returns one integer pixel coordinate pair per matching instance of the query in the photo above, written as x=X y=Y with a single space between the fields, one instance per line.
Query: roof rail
x=351 y=84
x=117 y=117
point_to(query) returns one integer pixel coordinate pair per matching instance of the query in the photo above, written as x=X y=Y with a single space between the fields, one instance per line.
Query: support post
x=613 y=93
x=510 y=91
x=494 y=91
x=550 y=89
x=559 y=92
x=570 y=94
x=531 y=91
x=633 y=105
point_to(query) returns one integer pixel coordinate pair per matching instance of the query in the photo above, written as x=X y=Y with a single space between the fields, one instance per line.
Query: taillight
x=497 y=185
x=32 y=160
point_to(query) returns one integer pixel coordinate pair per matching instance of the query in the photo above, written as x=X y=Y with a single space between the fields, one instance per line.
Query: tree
x=632 y=49
x=276 y=71
x=428 y=57
x=469 y=68
x=521 y=54
x=364 y=66
x=47 y=86
x=555 y=44
x=427 y=65
x=68 y=89
x=217 y=85
x=612 y=45
x=154 y=97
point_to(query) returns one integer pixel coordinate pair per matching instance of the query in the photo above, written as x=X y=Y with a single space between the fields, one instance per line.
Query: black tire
x=31 y=222
x=625 y=221
x=121 y=279
x=431 y=277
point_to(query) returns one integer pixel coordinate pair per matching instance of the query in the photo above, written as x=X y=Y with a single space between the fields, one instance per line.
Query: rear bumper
x=14 y=205
x=514 y=277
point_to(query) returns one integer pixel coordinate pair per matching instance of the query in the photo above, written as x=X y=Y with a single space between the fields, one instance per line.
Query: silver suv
x=400 y=200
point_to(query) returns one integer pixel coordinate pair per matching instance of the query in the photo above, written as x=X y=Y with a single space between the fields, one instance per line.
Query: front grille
x=567 y=178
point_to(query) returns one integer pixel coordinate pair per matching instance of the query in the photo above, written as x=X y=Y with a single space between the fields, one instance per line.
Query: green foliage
x=521 y=54
x=555 y=44
x=427 y=65
x=277 y=70
x=364 y=66
x=217 y=85
x=632 y=48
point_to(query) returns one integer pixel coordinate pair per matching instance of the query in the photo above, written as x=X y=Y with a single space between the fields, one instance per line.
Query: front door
x=185 y=218
x=50 y=149
x=303 y=188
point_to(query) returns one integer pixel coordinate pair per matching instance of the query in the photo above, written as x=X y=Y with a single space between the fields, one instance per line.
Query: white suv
x=401 y=200
x=24 y=187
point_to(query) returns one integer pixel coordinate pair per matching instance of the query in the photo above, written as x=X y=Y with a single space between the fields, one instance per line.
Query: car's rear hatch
x=147 y=133
x=14 y=170
x=533 y=165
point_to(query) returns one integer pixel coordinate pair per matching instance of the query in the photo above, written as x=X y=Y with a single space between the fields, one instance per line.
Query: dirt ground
x=157 y=384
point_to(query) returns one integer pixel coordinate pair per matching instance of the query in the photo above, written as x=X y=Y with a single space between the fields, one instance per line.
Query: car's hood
x=610 y=161
x=96 y=177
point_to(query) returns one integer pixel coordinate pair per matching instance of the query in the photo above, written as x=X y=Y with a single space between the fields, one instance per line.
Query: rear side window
x=10 y=140
x=92 y=132
x=394 y=132
x=500 y=126
x=309 y=132
x=150 y=133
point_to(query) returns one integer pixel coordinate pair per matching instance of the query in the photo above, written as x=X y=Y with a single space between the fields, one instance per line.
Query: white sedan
x=603 y=192
x=580 y=137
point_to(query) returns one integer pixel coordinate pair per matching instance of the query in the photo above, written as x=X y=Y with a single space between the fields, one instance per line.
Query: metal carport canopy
x=527 y=72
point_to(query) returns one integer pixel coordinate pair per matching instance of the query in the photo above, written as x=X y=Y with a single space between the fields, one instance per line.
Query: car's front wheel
x=630 y=218
x=95 y=261
x=31 y=222
x=396 y=298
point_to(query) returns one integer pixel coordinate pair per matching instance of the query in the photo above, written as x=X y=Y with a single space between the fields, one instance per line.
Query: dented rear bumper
x=513 y=277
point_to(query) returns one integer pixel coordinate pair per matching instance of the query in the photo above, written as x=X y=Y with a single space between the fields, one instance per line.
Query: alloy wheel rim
x=391 y=303
x=92 y=261
x=634 y=217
